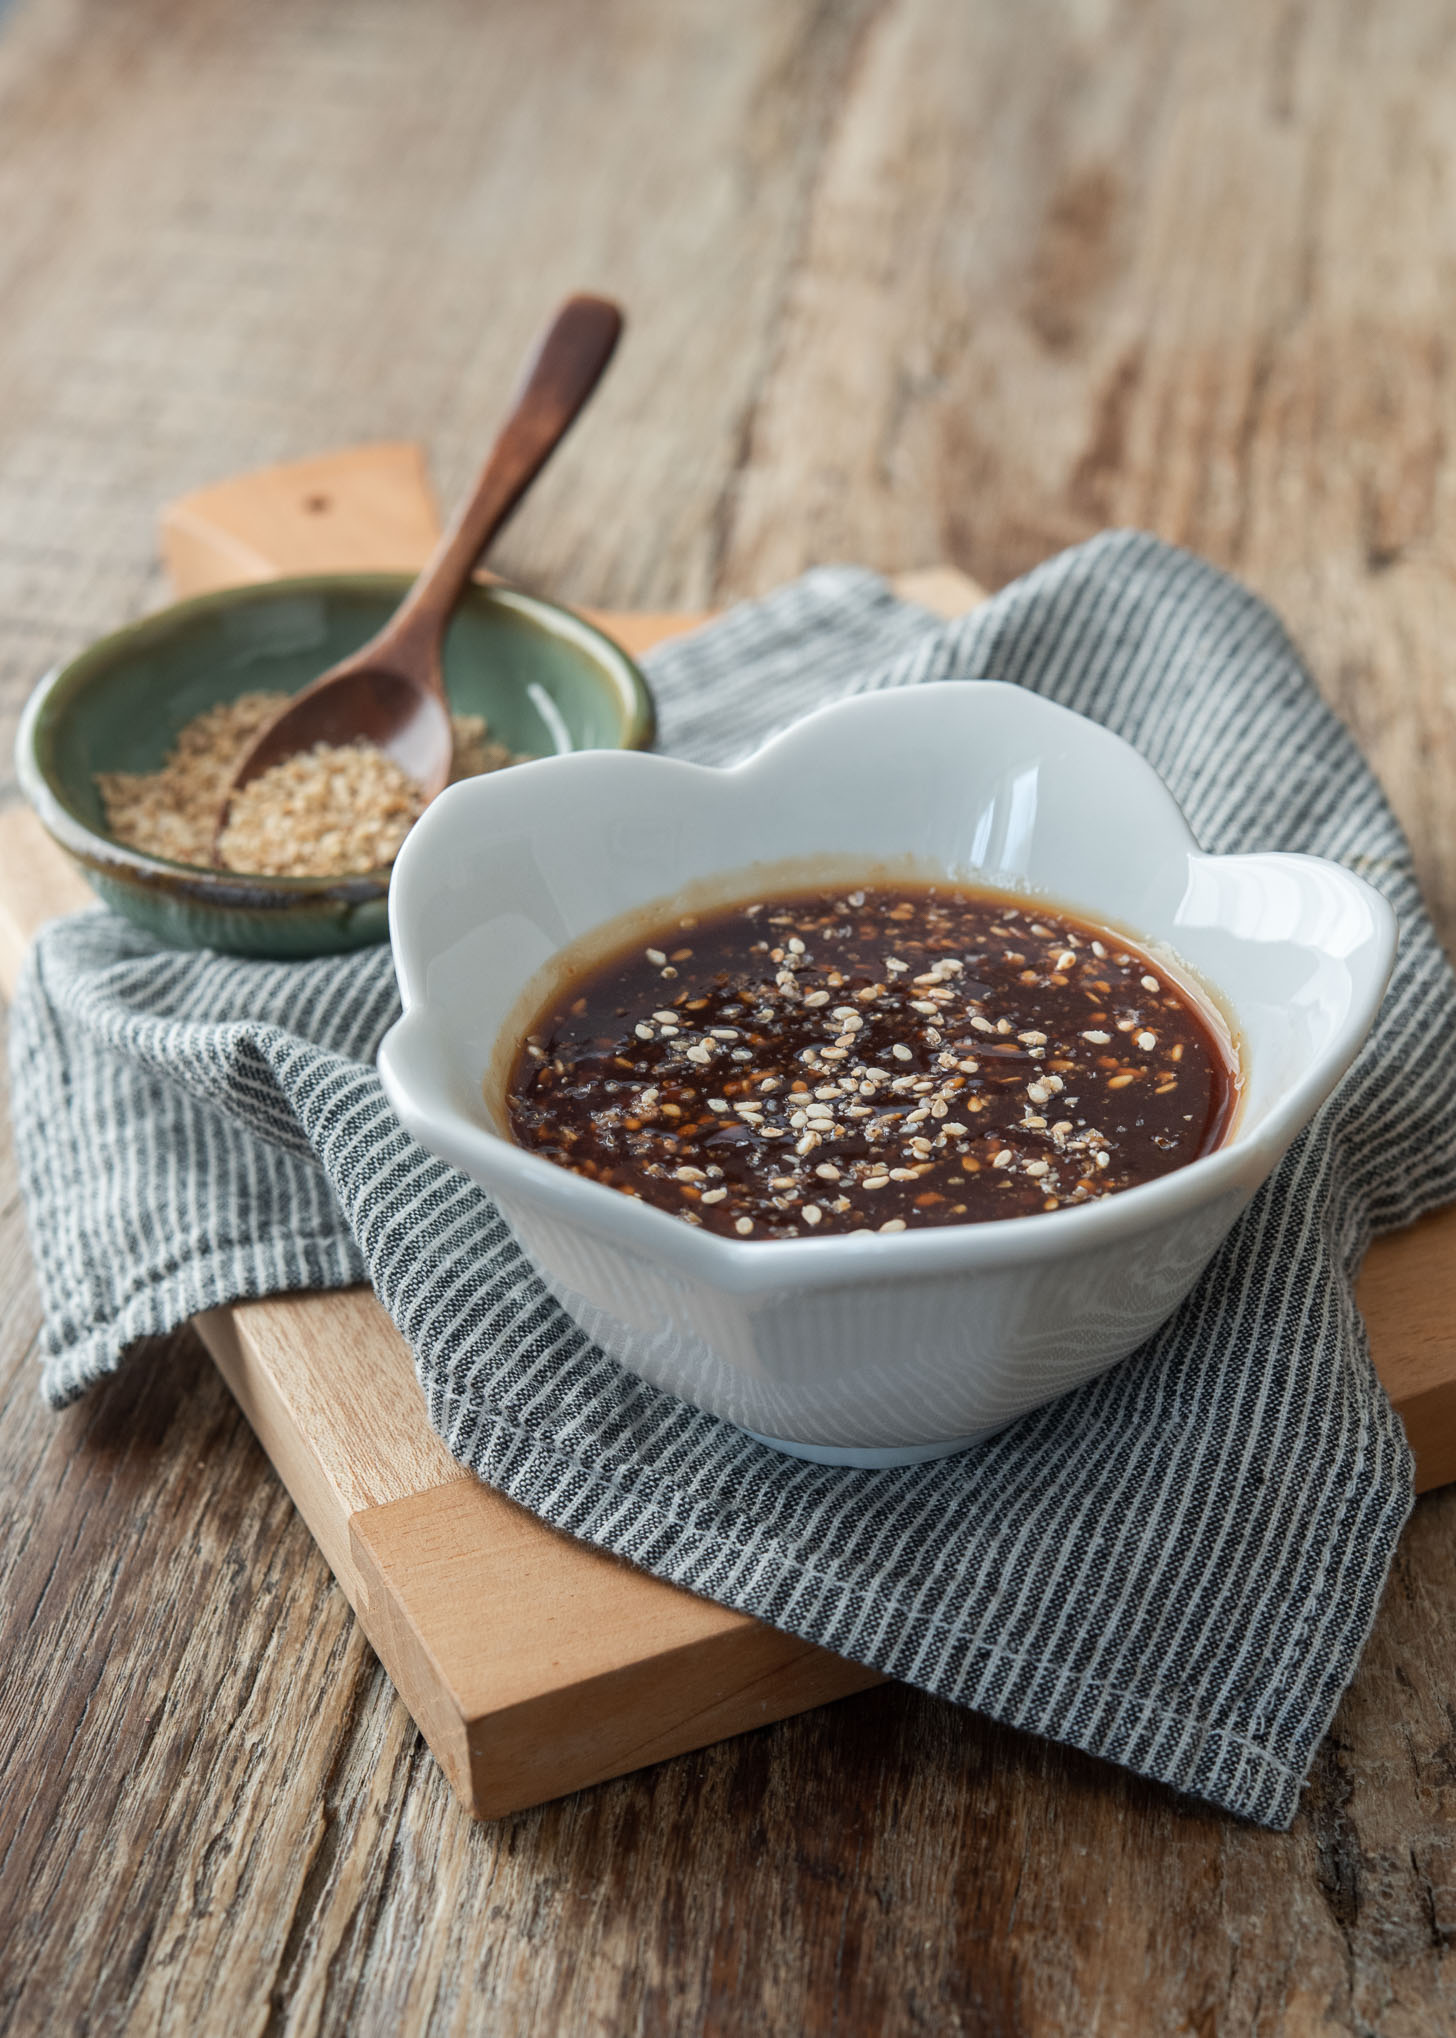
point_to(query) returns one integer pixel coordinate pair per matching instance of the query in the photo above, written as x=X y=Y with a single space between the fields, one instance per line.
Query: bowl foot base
x=878 y=1457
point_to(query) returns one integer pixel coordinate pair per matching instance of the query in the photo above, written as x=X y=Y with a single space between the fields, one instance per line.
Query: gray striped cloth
x=1174 y=1567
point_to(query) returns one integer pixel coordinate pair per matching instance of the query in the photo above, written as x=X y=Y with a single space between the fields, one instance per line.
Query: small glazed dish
x=867 y=1349
x=545 y=680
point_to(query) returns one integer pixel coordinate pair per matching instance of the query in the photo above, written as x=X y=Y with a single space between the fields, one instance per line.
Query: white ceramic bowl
x=866 y=1349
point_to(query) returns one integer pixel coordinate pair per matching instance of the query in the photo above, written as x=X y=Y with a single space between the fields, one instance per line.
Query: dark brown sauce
x=872 y=1060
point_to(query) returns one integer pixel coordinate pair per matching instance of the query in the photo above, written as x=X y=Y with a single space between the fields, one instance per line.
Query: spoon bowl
x=393 y=710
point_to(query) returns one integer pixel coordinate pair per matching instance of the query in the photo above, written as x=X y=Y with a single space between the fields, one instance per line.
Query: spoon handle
x=559 y=377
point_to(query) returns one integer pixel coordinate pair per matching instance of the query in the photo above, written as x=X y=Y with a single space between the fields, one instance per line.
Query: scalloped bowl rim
x=410 y=1054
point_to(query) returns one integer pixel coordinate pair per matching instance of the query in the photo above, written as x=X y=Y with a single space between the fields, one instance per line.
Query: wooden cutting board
x=534 y=1664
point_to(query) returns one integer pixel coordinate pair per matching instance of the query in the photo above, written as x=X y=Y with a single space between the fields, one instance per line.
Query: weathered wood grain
x=909 y=282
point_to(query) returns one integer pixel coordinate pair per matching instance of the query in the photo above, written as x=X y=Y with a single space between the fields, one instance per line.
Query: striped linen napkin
x=1174 y=1567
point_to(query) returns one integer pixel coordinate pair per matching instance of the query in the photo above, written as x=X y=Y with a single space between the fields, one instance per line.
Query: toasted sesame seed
x=718 y=1104
x=1003 y=1159
x=901 y=1052
x=1150 y=983
x=643 y=1031
x=1097 y=1037
x=1037 y=1168
x=893 y=1224
x=875 y=1182
x=811 y=1213
x=1147 y=1040
x=712 y=1195
x=1119 y=1082
x=827 y=1171
x=656 y=957
x=689 y=1174
x=807 y=1142
x=817 y=998
x=1104 y=1160
x=743 y=1225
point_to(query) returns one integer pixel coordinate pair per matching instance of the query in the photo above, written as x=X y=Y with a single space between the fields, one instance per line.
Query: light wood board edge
x=413 y=1539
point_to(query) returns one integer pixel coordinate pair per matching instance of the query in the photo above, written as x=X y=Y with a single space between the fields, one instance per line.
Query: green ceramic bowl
x=544 y=680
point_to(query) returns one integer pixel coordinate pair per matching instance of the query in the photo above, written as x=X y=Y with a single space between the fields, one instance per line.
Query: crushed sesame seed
x=331 y=811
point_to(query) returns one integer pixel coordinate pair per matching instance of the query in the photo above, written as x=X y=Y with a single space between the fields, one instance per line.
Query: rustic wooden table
x=908 y=281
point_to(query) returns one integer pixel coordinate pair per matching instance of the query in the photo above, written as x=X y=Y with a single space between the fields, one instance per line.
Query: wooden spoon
x=392 y=691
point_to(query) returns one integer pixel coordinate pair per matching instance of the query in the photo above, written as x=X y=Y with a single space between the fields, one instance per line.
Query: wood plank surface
x=908 y=283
